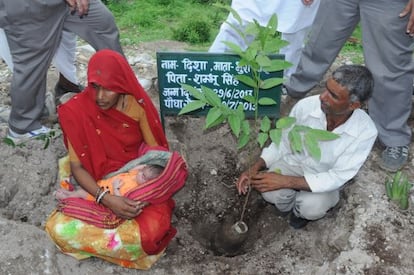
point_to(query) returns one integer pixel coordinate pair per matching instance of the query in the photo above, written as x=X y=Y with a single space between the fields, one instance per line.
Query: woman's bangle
x=102 y=195
x=98 y=192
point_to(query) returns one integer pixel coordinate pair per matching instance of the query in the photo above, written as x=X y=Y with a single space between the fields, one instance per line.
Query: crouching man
x=306 y=187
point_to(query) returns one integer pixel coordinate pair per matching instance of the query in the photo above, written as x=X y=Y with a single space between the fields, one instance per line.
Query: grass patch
x=196 y=22
x=193 y=21
x=353 y=47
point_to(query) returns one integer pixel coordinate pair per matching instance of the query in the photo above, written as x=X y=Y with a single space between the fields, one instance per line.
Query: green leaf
x=404 y=203
x=193 y=92
x=192 y=106
x=250 y=53
x=250 y=99
x=47 y=142
x=285 y=122
x=218 y=121
x=247 y=80
x=275 y=46
x=212 y=98
x=312 y=146
x=265 y=124
x=266 y=101
x=276 y=136
x=243 y=140
x=295 y=140
x=213 y=115
x=240 y=112
x=302 y=128
x=262 y=138
x=233 y=47
x=263 y=60
x=9 y=142
x=235 y=124
x=277 y=65
x=245 y=127
x=272 y=23
x=271 y=83
x=323 y=135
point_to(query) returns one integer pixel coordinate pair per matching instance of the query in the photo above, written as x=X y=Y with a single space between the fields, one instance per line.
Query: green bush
x=224 y=2
x=193 y=31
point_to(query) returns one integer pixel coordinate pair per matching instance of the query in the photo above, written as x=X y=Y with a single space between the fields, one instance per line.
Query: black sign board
x=214 y=70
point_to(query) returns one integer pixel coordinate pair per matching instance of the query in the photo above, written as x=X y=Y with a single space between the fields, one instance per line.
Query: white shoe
x=19 y=138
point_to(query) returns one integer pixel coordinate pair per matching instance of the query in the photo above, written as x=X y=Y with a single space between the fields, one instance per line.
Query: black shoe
x=64 y=86
x=61 y=89
x=297 y=222
x=294 y=94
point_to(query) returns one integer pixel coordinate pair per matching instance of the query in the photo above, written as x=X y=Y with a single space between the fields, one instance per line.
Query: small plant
x=257 y=56
x=45 y=137
x=193 y=31
x=398 y=189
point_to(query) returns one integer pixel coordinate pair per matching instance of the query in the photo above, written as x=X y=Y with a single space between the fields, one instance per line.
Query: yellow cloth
x=81 y=240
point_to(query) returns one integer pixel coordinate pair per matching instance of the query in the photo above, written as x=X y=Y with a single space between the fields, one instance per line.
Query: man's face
x=335 y=99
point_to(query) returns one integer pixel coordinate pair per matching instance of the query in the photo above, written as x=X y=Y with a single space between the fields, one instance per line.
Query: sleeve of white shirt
x=346 y=165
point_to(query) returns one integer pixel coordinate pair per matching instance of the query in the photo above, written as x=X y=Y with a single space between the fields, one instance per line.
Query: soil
x=364 y=234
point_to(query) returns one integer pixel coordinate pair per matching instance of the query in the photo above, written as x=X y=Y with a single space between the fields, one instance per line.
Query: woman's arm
x=121 y=206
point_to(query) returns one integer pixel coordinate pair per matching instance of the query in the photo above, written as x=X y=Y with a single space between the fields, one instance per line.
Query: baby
x=117 y=185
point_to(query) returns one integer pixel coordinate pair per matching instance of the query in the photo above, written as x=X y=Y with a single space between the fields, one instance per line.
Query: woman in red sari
x=104 y=128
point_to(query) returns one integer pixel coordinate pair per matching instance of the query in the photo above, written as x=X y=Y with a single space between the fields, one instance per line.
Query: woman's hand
x=123 y=207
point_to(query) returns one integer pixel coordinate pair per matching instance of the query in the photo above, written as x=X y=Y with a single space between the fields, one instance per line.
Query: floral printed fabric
x=121 y=245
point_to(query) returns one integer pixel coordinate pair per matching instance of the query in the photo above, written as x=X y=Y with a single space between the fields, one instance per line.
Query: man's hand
x=409 y=9
x=82 y=6
x=242 y=183
x=267 y=181
x=123 y=207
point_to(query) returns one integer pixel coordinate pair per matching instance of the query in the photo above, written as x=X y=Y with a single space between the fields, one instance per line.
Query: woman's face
x=105 y=99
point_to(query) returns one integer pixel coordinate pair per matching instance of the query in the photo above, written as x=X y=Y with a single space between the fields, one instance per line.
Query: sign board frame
x=213 y=70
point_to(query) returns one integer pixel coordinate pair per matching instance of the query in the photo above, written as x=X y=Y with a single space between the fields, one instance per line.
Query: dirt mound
x=364 y=234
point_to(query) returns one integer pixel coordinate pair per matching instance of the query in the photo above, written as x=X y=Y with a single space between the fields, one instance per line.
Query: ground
x=364 y=234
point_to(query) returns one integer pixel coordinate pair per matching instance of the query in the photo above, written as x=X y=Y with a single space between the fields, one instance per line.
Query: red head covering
x=105 y=140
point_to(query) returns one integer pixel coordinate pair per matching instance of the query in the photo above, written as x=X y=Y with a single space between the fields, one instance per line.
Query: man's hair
x=357 y=79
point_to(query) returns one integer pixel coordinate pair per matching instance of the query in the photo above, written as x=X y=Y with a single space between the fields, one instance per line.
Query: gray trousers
x=33 y=29
x=307 y=205
x=387 y=52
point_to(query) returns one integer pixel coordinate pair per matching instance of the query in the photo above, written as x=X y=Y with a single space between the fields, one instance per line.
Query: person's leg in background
x=65 y=63
x=293 y=51
x=32 y=47
x=334 y=23
x=390 y=61
x=5 y=50
x=98 y=28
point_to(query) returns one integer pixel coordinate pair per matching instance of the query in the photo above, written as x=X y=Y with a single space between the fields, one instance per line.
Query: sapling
x=266 y=42
x=398 y=189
